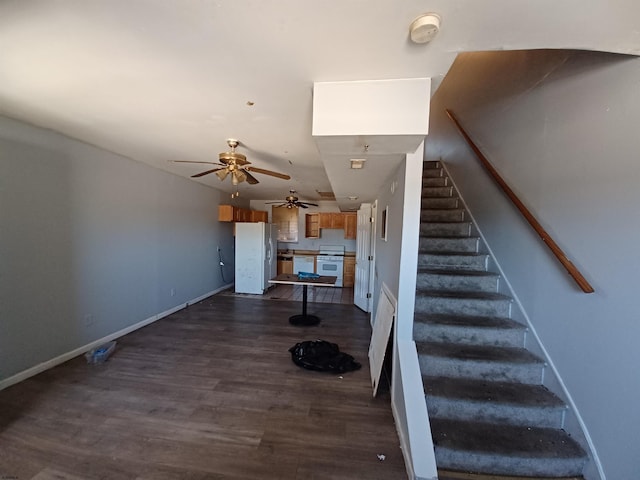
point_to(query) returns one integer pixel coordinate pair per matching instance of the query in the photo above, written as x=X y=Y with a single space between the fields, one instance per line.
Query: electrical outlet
x=173 y=292
x=88 y=320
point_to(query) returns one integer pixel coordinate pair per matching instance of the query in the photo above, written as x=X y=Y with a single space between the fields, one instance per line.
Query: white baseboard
x=41 y=367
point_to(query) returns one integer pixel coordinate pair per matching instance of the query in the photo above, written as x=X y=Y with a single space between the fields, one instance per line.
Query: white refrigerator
x=255 y=256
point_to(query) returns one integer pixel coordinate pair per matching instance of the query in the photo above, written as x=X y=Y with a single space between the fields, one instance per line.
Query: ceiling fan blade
x=202 y=174
x=222 y=173
x=194 y=161
x=268 y=172
x=301 y=205
x=307 y=203
x=251 y=180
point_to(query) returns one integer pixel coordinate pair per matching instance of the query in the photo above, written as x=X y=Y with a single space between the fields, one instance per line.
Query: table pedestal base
x=304 y=320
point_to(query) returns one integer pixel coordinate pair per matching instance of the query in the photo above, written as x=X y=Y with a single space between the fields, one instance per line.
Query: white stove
x=330 y=261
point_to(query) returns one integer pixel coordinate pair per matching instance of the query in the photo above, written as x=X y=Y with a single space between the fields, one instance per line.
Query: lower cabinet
x=285 y=266
x=349 y=272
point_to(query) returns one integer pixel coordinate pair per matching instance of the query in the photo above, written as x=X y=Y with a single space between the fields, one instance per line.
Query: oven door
x=330 y=267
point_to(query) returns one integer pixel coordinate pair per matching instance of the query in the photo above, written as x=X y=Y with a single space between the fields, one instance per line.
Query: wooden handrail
x=546 y=238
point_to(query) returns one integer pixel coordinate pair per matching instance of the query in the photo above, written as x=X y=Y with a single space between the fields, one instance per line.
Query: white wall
x=84 y=232
x=561 y=128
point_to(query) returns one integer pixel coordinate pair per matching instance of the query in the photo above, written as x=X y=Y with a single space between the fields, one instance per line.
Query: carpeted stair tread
x=448 y=237
x=481 y=353
x=466 y=244
x=460 y=279
x=469 y=321
x=457 y=271
x=442 y=229
x=490 y=414
x=440 y=202
x=506 y=449
x=468 y=330
x=487 y=391
x=453 y=260
x=444 y=474
x=452 y=253
x=463 y=295
x=435 y=181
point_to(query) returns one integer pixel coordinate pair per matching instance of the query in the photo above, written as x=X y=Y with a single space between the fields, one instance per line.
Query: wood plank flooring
x=209 y=392
x=294 y=293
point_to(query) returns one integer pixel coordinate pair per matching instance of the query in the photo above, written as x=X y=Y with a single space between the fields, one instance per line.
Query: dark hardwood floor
x=209 y=392
x=294 y=293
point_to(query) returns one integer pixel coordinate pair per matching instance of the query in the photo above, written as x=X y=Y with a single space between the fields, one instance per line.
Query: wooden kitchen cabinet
x=331 y=220
x=225 y=213
x=285 y=266
x=311 y=225
x=349 y=272
x=259 y=216
x=230 y=213
x=350 y=225
x=324 y=220
x=337 y=220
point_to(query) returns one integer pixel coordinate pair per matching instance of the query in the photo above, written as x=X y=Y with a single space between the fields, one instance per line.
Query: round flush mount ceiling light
x=424 y=28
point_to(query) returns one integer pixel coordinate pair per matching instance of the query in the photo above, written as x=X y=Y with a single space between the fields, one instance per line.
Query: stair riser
x=435 y=181
x=497 y=337
x=459 y=283
x=432 y=173
x=526 y=467
x=476 y=263
x=431 y=164
x=463 y=306
x=461 y=229
x=440 y=202
x=459 y=409
x=459 y=245
x=437 y=191
x=442 y=215
x=529 y=373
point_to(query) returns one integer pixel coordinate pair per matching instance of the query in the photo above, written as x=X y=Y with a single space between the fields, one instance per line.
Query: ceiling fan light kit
x=291 y=201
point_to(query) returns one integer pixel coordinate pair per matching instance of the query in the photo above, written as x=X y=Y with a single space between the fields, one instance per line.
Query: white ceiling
x=167 y=80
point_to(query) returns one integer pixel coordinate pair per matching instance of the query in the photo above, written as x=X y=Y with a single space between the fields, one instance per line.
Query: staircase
x=488 y=410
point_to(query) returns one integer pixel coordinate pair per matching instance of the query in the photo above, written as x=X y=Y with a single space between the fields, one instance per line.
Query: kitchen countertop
x=288 y=254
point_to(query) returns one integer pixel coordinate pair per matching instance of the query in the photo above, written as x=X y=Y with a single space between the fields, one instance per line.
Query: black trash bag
x=322 y=356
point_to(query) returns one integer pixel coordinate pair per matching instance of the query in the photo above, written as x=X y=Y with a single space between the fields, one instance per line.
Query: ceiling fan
x=291 y=201
x=235 y=164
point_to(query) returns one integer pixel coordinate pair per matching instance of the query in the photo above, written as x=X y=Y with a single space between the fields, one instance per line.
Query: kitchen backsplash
x=328 y=237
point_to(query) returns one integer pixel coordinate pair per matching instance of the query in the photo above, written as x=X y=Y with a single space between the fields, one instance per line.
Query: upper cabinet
x=350 y=225
x=259 y=216
x=230 y=213
x=314 y=222
x=331 y=220
x=311 y=225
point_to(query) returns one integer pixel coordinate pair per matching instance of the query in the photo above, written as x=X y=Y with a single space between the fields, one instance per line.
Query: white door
x=361 y=292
